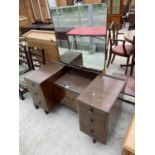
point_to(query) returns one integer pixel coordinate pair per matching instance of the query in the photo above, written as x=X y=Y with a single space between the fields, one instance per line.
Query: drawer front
x=96 y=132
x=91 y=111
x=70 y=100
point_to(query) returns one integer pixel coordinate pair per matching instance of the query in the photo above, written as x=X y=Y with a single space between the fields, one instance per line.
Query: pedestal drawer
x=90 y=111
x=96 y=132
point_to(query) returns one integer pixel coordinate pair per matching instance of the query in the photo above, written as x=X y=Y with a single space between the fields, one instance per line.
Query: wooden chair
x=131 y=20
x=37 y=57
x=119 y=48
x=25 y=64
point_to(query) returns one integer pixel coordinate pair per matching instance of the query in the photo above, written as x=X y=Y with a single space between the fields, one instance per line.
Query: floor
x=58 y=132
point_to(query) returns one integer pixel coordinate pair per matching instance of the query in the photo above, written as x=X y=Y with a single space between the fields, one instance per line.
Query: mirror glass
x=81 y=34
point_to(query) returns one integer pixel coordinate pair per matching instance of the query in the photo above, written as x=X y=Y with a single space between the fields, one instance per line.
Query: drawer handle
x=91 y=110
x=91 y=130
x=33 y=84
x=92 y=120
x=36 y=93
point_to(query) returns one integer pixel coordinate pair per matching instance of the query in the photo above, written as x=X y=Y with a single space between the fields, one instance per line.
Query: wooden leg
x=36 y=107
x=127 y=64
x=113 y=58
x=68 y=44
x=132 y=66
x=46 y=112
x=109 y=59
x=94 y=140
x=21 y=96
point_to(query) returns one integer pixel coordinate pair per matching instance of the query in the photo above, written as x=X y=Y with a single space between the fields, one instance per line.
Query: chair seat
x=119 y=49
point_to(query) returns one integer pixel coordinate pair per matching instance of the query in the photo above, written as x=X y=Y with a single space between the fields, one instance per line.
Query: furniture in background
x=30 y=58
x=34 y=10
x=131 y=19
x=119 y=48
x=24 y=68
x=92 y=1
x=91 y=31
x=87 y=92
x=129 y=36
x=129 y=142
x=37 y=57
x=45 y=40
x=114 y=10
x=61 y=35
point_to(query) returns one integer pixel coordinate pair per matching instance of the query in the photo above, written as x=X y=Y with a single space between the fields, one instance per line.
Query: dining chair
x=24 y=68
x=118 y=47
x=37 y=57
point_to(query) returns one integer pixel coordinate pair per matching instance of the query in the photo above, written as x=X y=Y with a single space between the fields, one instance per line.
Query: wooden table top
x=44 y=72
x=129 y=143
x=88 y=31
x=129 y=35
x=41 y=35
x=102 y=92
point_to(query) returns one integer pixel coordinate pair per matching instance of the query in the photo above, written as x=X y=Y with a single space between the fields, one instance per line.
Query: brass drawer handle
x=92 y=120
x=91 y=130
x=91 y=110
x=36 y=93
x=33 y=84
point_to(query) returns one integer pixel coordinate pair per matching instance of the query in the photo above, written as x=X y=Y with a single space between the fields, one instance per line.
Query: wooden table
x=129 y=36
x=91 y=31
x=45 y=40
x=129 y=143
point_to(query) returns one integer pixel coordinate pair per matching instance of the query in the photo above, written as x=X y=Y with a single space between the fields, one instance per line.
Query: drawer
x=90 y=111
x=92 y=119
x=96 y=132
x=70 y=100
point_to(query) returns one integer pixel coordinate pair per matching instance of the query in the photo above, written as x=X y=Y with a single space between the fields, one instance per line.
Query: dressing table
x=91 y=94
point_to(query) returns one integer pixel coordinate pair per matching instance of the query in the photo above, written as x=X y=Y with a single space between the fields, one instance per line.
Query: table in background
x=91 y=31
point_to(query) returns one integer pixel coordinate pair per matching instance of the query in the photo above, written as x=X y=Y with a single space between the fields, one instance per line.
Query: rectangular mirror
x=81 y=34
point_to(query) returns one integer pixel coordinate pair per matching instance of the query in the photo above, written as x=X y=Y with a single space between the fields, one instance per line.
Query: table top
x=41 y=35
x=44 y=72
x=129 y=143
x=88 y=31
x=129 y=35
x=102 y=92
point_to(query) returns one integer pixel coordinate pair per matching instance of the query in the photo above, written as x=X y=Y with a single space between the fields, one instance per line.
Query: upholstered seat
x=119 y=49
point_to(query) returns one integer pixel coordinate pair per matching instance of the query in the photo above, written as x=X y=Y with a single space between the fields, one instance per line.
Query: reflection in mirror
x=81 y=34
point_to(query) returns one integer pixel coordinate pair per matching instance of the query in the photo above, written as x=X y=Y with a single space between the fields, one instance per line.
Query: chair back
x=131 y=21
x=37 y=57
x=23 y=57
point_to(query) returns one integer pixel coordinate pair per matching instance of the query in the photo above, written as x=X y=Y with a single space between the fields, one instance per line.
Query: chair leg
x=127 y=64
x=109 y=59
x=113 y=58
x=21 y=95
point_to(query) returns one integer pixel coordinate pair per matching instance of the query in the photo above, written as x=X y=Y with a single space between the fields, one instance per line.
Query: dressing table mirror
x=81 y=34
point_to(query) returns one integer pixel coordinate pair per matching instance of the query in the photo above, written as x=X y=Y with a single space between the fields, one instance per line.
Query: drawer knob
x=91 y=130
x=36 y=93
x=33 y=84
x=91 y=110
x=39 y=102
x=92 y=120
